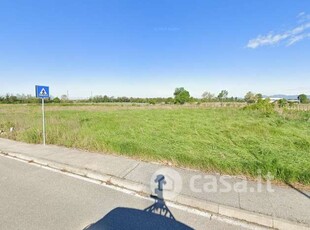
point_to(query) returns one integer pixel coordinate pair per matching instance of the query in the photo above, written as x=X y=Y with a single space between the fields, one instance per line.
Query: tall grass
x=227 y=140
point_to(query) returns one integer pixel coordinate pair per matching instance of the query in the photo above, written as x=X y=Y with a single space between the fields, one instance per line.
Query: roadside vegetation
x=180 y=96
x=260 y=136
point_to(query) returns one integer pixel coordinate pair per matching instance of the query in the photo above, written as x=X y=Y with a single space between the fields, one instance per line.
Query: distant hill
x=287 y=97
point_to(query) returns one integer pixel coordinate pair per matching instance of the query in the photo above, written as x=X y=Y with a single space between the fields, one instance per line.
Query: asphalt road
x=32 y=197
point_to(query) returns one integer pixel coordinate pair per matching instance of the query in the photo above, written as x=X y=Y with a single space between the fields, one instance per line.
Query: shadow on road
x=157 y=216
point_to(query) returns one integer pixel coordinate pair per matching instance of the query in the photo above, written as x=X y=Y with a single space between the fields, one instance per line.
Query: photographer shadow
x=157 y=216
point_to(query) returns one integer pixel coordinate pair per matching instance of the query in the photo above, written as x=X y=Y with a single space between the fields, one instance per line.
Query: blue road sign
x=42 y=91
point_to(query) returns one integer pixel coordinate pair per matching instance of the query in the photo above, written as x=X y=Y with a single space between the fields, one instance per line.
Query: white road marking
x=184 y=208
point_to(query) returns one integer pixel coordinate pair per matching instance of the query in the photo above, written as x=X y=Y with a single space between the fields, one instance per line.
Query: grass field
x=226 y=140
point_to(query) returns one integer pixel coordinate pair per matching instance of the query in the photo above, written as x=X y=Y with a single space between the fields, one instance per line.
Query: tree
x=56 y=100
x=64 y=97
x=250 y=97
x=223 y=95
x=181 y=95
x=207 y=96
x=178 y=91
x=303 y=98
x=259 y=96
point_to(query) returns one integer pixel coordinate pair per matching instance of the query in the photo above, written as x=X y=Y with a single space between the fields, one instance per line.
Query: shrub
x=282 y=103
x=56 y=100
x=262 y=105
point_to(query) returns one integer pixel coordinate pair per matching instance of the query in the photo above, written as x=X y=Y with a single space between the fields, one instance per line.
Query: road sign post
x=42 y=92
x=43 y=118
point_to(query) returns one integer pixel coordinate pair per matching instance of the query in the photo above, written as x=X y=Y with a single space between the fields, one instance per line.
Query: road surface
x=32 y=197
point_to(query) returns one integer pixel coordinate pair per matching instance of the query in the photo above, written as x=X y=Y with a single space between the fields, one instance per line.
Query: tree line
x=18 y=99
x=180 y=96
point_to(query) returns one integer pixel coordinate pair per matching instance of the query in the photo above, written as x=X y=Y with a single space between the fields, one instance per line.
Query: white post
x=43 y=116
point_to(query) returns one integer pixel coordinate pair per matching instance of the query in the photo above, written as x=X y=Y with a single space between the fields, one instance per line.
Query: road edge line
x=222 y=210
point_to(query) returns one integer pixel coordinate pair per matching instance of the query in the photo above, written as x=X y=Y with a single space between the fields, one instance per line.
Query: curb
x=235 y=213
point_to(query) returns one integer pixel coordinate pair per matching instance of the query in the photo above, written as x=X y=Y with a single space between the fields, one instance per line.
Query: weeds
x=227 y=140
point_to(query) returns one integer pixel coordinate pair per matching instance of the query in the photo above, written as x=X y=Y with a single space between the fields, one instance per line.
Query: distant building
x=275 y=99
x=293 y=100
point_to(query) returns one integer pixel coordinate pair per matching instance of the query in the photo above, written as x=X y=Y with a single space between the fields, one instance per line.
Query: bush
x=282 y=103
x=262 y=105
x=152 y=102
x=56 y=100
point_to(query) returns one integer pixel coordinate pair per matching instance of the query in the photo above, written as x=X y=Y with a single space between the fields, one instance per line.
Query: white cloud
x=297 y=38
x=301 y=14
x=303 y=17
x=288 y=37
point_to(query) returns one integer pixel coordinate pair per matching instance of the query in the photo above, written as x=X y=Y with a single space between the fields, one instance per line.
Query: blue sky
x=147 y=48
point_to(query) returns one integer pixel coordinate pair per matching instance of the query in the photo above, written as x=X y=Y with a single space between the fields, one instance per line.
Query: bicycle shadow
x=157 y=216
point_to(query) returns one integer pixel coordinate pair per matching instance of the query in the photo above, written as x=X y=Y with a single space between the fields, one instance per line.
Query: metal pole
x=43 y=116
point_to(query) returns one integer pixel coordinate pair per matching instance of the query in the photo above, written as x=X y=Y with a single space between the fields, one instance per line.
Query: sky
x=148 y=48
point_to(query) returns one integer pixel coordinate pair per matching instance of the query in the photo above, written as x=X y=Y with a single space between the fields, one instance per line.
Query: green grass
x=226 y=140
